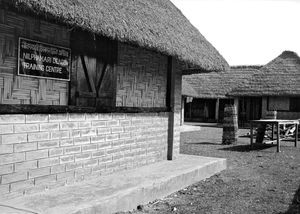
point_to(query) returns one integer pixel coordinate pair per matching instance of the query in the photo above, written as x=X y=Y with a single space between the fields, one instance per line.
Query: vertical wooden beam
x=217 y=109
x=190 y=110
x=296 y=134
x=273 y=132
x=182 y=111
x=251 y=134
x=278 y=136
x=170 y=98
x=236 y=104
x=169 y=83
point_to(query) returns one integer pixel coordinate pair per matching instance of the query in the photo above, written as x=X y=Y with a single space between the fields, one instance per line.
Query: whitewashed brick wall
x=39 y=152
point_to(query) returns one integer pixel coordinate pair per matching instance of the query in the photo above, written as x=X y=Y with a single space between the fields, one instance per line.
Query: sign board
x=43 y=60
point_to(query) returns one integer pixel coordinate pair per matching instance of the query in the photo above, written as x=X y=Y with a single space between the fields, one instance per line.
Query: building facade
x=275 y=88
x=76 y=103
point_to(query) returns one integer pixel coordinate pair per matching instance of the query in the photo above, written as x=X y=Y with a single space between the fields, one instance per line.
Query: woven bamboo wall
x=26 y=90
x=279 y=103
x=141 y=78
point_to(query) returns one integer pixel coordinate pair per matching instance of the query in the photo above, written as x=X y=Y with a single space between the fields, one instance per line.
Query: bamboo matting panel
x=141 y=77
x=140 y=87
x=279 y=103
x=26 y=90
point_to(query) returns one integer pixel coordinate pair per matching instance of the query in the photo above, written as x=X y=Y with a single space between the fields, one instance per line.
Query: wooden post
x=273 y=130
x=278 y=137
x=236 y=103
x=296 y=134
x=170 y=100
x=251 y=134
x=182 y=111
x=217 y=109
x=190 y=110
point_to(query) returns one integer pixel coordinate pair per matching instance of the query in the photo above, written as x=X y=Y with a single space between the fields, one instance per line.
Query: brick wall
x=39 y=152
x=141 y=77
x=26 y=90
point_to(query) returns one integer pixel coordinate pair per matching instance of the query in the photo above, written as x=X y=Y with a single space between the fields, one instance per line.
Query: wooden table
x=277 y=123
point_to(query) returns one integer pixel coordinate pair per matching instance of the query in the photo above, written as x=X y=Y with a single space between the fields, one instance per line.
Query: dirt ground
x=256 y=181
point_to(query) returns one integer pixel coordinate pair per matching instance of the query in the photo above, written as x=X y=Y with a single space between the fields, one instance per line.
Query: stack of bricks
x=40 y=152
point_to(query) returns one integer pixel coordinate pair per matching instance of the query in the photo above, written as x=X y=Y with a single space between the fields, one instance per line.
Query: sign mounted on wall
x=43 y=60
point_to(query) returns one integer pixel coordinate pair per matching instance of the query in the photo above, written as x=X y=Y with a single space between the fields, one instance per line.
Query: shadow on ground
x=247 y=148
x=295 y=206
x=211 y=125
x=205 y=143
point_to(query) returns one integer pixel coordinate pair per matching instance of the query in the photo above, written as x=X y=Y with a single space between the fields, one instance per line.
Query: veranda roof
x=280 y=77
x=187 y=89
x=153 y=24
x=217 y=84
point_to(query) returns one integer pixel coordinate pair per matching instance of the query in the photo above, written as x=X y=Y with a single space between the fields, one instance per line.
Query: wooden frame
x=54 y=109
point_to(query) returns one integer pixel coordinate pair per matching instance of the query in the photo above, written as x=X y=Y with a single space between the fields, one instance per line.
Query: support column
x=236 y=104
x=174 y=103
x=217 y=109
x=182 y=110
x=190 y=110
x=170 y=104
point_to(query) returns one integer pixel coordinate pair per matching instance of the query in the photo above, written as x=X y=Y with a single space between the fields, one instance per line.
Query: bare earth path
x=256 y=181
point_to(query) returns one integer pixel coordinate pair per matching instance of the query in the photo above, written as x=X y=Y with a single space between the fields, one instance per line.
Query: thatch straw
x=217 y=84
x=187 y=89
x=152 y=24
x=280 y=77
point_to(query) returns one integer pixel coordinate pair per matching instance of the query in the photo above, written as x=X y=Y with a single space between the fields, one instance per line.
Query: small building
x=275 y=87
x=91 y=87
x=205 y=94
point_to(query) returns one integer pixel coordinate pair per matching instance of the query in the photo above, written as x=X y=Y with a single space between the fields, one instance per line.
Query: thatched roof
x=217 y=84
x=153 y=24
x=187 y=89
x=280 y=77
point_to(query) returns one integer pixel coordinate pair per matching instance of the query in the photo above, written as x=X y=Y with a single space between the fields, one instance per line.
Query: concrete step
x=189 y=128
x=120 y=191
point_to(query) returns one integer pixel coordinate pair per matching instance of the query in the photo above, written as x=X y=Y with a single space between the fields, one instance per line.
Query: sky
x=246 y=32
